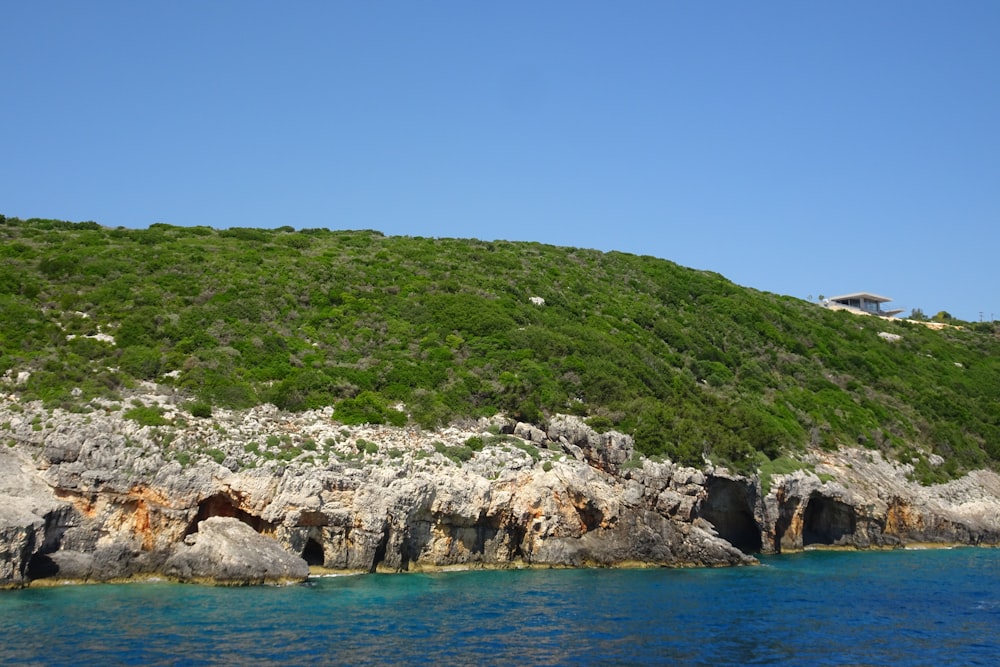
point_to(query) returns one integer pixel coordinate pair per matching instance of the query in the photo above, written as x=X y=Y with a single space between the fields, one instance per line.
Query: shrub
x=147 y=416
x=367 y=408
x=141 y=362
x=458 y=453
x=634 y=463
x=200 y=409
x=688 y=363
x=366 y=446
x=216 y=455
x=531 y=450
x=288 y=453
x=600 y=423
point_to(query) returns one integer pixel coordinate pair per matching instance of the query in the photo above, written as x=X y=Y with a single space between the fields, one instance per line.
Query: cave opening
x=42 y=566
x=380 y=550
x=416 y=536
x=313 y=553
x=727 y=506
x=224 y=505
x=827 y=521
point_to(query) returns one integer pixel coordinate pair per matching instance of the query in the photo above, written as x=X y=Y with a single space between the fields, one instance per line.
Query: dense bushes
x=368 y=408
x=691 y=364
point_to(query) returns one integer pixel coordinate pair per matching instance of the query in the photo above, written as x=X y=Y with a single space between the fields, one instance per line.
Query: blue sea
x=934 y=607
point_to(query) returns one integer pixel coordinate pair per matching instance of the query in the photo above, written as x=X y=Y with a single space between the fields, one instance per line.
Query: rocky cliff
x=260 y=495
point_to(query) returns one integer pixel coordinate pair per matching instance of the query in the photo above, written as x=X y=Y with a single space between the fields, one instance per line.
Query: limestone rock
x=31 y=518
x=529 y=433
x=606 y=451
x=20 y=533
x=226 y=550
x=872 y=503
x=99 y=498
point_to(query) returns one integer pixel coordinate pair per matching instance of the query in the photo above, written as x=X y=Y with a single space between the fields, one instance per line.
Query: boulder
x=529 y=433
x=227 y=551
x=605 y=451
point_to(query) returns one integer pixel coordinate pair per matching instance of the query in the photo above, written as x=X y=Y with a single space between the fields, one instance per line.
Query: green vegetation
x=398 y=329
x=457 y=453
x=782 y=465
x=199 y=409
x=366 y=446
x=147 y=416
x=530 y=450
x=216 y=455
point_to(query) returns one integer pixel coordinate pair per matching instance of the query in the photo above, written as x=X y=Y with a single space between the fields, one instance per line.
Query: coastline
x=97 y=497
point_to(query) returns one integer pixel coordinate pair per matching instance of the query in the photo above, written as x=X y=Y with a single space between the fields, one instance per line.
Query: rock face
x=227 y=550
x=31 y=518
x=258 y=496
x=870 y=503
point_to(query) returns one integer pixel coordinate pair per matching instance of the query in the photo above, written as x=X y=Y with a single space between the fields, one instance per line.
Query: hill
x=428 y=331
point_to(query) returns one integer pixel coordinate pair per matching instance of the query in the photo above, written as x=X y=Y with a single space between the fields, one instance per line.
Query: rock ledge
x=259 y=496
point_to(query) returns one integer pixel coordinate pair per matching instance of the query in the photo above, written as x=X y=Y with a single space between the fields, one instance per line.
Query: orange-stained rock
x=103 y=498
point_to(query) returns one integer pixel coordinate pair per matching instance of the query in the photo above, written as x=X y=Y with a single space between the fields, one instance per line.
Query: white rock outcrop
x=256 y=495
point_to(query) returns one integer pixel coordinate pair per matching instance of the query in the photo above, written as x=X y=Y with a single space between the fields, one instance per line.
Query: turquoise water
x=819 y=608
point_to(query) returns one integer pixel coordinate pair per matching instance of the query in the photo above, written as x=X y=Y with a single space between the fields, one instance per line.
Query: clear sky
x=803 y=148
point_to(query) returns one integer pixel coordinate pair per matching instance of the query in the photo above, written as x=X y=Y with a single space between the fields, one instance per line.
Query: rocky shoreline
x=260 y=496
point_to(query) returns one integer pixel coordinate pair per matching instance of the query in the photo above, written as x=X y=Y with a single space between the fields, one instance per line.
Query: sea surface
x=933 y=607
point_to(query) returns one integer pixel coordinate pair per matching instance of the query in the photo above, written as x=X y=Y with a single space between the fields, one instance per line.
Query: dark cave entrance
x=41 y=566
x=381 y=549
x=826 y=521
x=728 y=508
x=313 y=553
x=222 y=504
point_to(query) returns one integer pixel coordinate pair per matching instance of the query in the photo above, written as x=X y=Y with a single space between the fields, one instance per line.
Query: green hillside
x=430 y=330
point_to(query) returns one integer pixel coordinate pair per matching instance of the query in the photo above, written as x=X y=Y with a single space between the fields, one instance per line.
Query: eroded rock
x=226 y=550
x=99 y=498
x=32 y=518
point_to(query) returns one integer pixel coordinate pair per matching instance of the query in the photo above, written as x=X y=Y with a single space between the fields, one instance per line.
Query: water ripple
x=898 y=608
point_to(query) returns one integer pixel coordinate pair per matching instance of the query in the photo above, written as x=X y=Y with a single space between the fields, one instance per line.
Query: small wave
x=928 y=547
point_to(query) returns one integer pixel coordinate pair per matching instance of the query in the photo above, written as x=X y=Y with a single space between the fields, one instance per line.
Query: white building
x=865 y=302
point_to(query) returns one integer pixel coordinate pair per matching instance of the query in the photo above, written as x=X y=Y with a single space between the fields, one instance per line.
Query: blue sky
x=795 y=147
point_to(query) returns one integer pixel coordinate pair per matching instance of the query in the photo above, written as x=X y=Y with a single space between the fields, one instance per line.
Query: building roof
x=861 y=295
